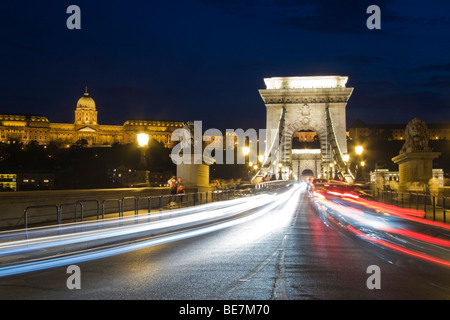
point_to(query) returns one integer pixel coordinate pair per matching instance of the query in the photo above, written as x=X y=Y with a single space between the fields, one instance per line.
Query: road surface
x=286 y=253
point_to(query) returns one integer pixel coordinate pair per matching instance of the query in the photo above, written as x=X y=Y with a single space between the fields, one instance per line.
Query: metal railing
x=105 y=201
x=435 y=207
x=267 y=185
x=26 y=213
x=82 y=203
x=133 y=205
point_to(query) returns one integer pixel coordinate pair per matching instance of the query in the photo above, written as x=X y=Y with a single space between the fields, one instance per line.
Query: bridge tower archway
x=306 y=103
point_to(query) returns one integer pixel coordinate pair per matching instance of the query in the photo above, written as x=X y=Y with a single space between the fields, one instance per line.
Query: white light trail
x=259 y=204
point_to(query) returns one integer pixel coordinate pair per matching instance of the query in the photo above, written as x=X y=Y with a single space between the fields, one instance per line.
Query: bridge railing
x=26 y=213
x=89 y=209
x=434 y=207
x=265 y=185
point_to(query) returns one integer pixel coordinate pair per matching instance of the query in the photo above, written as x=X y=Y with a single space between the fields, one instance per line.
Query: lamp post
x=359 y=150
x=360 y=164
x=246 y=152
x=363 y=163
x=346 y=160
x=142 y=139
x=331 y=171
x=280 y=165
x=261 y=158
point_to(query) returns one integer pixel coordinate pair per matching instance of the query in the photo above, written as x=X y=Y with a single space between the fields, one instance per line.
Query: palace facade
x=23 y=128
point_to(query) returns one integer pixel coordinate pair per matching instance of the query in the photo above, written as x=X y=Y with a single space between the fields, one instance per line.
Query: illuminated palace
x=38 y=128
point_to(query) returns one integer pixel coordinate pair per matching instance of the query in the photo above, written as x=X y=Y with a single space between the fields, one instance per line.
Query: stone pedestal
x=194 y=176
x=415 y=169
x=142 y=177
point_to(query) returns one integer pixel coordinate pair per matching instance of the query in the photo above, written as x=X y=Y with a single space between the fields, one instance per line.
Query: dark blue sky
x=205 y=60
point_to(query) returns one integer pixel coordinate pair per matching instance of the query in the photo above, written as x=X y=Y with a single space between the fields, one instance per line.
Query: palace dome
x=86 y=102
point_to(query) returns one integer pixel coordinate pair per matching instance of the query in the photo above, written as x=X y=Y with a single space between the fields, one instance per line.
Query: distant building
x=127 y=177
x=437 y=131
x=28 y=180
x=15 y=127
x=8 y=182
x=305 y=136
x=36 y=180
x=389 y=176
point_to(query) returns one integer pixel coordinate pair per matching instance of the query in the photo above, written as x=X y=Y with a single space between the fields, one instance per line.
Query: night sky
x=206 y=59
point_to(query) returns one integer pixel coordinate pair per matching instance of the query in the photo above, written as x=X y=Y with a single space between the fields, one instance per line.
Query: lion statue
x=416 y=137
x=191 y=143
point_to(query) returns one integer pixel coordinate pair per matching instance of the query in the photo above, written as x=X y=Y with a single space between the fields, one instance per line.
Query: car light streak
x=259 y=205
x=381 y=225
x=116 y=230
x=96 y=224
x=404 y=213
x=398 y=248
x=362 y=217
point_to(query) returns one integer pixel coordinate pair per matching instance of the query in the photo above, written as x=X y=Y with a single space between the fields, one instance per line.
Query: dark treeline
x=380 y=149
x=80 y=166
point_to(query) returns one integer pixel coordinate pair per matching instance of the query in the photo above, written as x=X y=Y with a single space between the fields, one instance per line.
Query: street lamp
x=359 y=150
x=331 y=176
x=360 y=164
x=142 y=139
x=261 y=158
x=346 y=157
x=346 y=160
x=280 y=165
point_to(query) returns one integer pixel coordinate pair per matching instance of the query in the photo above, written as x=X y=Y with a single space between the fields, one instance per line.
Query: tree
x=81 y=143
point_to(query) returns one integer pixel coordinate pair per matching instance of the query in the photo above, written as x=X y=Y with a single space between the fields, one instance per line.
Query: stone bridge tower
x=306 y=103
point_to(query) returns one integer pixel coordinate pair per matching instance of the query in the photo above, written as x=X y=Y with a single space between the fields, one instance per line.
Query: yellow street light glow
x=246 y=150
x=346 y=157
x=255 y=167
x=363 y=163
x=261 y=158
x=142 y=139
x=359 y=150
x=280 y=165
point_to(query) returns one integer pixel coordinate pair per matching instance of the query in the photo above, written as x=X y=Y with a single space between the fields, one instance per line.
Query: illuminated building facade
x=8 y=181
x=25 y=129
x=360 y=129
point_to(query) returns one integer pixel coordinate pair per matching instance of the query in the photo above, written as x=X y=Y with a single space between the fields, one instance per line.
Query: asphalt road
x=285 y=254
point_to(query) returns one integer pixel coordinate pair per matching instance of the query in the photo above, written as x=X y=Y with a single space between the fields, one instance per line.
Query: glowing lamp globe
x=142 y=139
